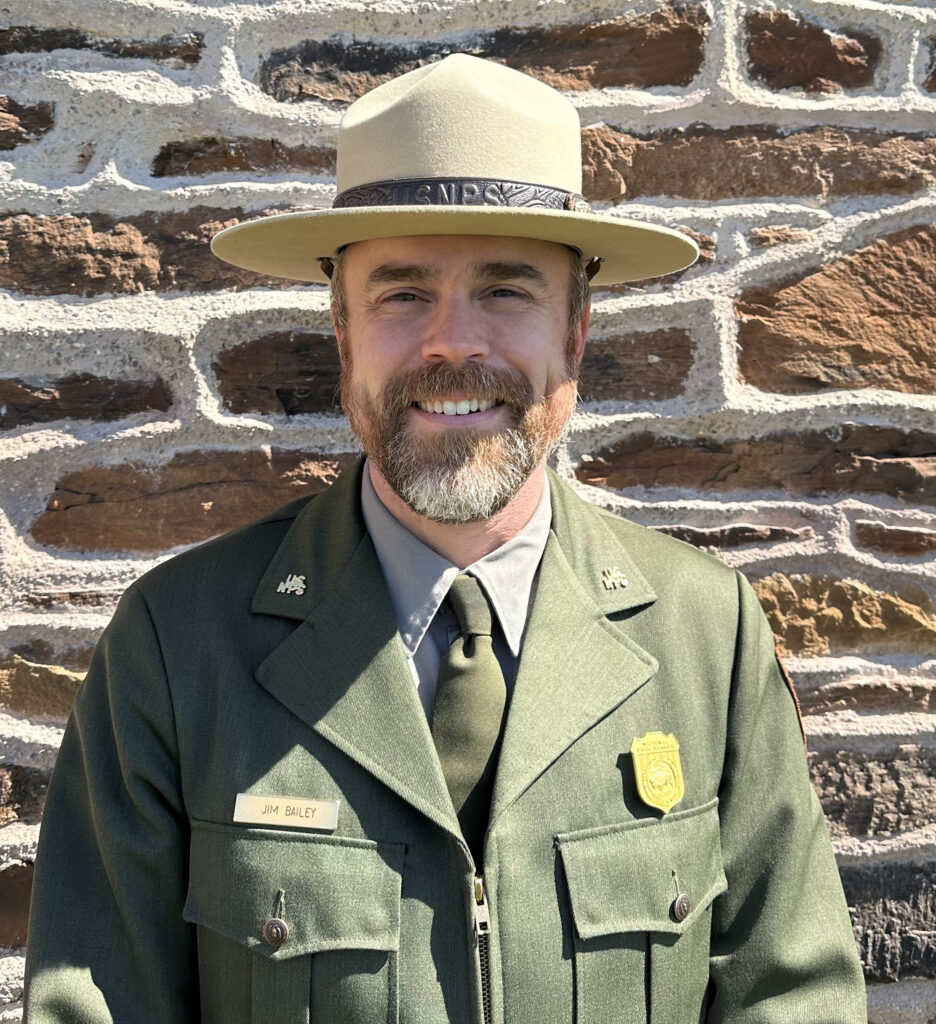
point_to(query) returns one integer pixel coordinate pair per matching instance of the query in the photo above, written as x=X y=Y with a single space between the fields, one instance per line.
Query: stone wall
x=774 y=404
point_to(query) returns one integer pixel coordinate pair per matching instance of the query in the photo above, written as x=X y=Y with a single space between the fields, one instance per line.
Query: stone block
x=875 y=796
x=193 y=496
x=929 y=82
x=80 y=396
x=175 y=51
x=95 y=254
x=776 y=234
x=893 y=908
x=637 y=367
x=891 y=696
x=894 y=540
x=736 y=535
x=35 y=688
x=813 y=616
x=866 y=319
x=22 y=793
x=198 y=157
x=704 y=163
x=15 y=890
x=788 y=52
x=20 y=123
x=855 y=459
x=665 y=47
x=287 y=372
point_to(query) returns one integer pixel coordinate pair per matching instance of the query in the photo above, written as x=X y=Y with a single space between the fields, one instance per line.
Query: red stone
x=787 y=52
x=194 y=496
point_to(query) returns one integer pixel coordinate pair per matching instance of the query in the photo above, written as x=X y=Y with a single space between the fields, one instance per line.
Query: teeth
x=460 y=408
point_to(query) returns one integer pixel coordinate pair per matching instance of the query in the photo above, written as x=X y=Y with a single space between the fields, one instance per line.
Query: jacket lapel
x=343 y=671
x=577 y=665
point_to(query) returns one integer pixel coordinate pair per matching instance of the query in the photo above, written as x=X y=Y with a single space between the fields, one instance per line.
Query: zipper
x=482 y=926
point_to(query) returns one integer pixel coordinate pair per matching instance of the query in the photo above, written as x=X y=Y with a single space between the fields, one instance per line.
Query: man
x=446 y=743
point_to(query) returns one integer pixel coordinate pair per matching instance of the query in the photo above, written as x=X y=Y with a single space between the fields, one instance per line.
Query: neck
x=464 y=543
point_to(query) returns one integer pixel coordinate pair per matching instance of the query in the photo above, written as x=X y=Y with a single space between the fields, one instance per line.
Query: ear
x=580 y=332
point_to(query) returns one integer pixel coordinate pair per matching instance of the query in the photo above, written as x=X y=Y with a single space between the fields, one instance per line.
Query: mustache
x=486 y=383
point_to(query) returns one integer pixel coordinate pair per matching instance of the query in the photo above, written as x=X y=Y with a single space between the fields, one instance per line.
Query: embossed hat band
x=460 y=192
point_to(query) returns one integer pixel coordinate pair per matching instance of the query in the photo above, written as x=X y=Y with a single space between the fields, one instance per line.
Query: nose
x=454 y=333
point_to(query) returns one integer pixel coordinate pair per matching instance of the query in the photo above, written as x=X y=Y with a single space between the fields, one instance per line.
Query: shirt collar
x=419 y=578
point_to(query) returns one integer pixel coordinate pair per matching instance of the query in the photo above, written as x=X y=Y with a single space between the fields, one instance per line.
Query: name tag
x=286 y=810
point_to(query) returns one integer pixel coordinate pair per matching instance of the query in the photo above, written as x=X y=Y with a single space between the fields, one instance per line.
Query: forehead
x=455 y=252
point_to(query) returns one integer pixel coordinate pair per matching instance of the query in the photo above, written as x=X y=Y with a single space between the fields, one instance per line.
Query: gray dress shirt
x=418 y=580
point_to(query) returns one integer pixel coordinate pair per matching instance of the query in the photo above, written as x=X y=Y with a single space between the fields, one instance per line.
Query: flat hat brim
x=289 y=245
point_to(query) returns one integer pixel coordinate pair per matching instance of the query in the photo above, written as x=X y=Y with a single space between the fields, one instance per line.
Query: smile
x=460 y=408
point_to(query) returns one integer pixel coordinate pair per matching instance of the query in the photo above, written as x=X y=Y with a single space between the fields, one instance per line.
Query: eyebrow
x=415 y=273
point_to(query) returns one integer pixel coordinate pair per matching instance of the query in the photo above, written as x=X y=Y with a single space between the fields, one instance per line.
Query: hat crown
x=461 y=117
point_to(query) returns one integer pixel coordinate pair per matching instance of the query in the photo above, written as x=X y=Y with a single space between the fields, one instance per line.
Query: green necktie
x=469 y=711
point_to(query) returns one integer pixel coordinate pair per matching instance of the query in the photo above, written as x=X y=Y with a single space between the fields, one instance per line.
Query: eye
x=506 y=291
x=401 y=297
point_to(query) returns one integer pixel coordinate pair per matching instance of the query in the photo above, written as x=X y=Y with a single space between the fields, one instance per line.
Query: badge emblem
x=657 y=770
x=293 y=584
x=613 y=578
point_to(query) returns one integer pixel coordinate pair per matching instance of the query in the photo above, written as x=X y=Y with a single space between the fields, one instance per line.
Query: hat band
x=460 y=192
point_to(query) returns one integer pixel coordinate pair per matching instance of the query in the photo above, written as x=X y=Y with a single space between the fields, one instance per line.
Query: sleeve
x=782 y=948
x=107 y=942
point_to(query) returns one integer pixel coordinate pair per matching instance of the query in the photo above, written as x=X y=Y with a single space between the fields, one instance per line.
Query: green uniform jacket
x=224 y=672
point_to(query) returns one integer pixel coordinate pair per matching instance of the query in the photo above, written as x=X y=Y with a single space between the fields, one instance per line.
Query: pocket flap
x=625 y=878
x=337 y=893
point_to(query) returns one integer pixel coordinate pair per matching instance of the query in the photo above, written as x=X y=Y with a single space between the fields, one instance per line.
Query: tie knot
x=470 y=605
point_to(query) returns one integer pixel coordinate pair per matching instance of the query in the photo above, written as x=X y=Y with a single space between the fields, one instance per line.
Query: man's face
x=458 y=365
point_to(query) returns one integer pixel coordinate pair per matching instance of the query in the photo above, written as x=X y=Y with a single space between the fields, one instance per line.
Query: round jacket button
x=276 y=931
x=681 y=907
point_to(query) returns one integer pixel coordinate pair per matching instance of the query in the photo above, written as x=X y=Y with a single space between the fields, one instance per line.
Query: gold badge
x=657 y=770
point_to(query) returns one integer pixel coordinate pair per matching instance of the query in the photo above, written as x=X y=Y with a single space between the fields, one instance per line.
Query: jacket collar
x=343 y=670
x=577 y=664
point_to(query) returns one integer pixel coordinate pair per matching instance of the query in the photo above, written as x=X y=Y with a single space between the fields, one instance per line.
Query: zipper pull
x=482 y=915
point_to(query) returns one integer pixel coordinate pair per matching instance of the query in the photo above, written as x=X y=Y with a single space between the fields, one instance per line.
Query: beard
x=459 y=475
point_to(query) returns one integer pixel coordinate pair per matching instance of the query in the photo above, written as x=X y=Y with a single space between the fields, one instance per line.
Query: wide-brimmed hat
x=461 y=146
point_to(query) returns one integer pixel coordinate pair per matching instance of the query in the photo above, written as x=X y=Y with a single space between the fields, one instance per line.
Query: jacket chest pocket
x=294 y=926
x=641 y=895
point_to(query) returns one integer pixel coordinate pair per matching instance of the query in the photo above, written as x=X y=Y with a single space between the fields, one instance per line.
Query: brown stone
x=665 y=47
x=892 y=696
x=776 y=234
x=812 y=616
x=856 y=459
x=637 y=367
x=895 y=540
x=72 y=598
x=786 y=52
x=19 y=124
x=80 y=396
x=95 y=254
x=736 y=535
x=210 y=156
x=737 y=163
x=893 y=910
x=194 y=496
x=929 y=83
x=22 y=793
x=875 y=796
x=176 y=51
x=41 y=651
x=15 y=890
x=32 y=688
x=867 y=319
x=287 y=372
